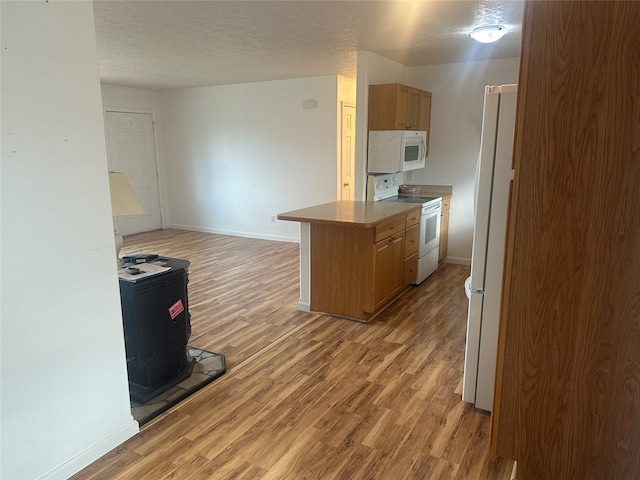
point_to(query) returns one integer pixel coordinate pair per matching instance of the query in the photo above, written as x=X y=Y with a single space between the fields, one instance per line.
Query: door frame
x=156 y=135
x=340 y=143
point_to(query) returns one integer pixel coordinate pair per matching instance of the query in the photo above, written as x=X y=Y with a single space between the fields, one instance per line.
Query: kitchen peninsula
x=355 y=257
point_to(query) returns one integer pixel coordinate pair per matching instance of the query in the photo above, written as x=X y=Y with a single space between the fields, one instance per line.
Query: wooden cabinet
x=567 y=397
x=388 y=261
x=410 y=269
x=356 y=272
x=444 y=228
x=388 y=269
x=412 y=240
x=398 y=107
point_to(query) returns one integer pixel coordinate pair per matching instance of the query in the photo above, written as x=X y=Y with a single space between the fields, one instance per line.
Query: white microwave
x=392 y=151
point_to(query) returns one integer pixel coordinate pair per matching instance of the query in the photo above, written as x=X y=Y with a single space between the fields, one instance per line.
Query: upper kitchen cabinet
x=567 y=397
x=397 y=107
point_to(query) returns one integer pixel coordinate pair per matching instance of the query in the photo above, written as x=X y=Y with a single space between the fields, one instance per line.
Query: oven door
x=429 y=229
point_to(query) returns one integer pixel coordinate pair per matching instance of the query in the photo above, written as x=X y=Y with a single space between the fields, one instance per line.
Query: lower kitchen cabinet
x=356 y=257
x=410 y=269
x=356 y=272
x=388 y=270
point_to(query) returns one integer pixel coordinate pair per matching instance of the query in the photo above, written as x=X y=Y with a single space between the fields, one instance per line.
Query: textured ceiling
x=169 y=44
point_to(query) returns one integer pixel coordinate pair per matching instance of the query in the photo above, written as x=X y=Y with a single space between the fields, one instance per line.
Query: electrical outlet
x=409 y=176
x=273 y=219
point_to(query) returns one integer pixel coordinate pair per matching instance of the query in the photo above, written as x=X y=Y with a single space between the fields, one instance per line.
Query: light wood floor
x=308 y=396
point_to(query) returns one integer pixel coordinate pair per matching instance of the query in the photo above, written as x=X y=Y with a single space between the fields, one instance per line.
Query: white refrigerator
x=494 y=174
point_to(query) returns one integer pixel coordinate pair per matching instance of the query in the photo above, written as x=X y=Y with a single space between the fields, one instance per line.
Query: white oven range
x=385 y=188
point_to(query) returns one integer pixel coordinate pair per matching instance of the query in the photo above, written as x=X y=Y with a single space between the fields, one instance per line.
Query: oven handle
x=432 y=208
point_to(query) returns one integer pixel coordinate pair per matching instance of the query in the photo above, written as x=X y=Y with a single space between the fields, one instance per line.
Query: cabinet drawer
x=413 y=218
x=410 y=269
x=389 y=228
x=411 y=240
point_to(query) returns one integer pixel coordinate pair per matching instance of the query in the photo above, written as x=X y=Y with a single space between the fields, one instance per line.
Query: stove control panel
x=382 y=186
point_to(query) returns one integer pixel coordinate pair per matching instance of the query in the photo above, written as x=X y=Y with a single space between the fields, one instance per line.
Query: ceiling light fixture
x=488 y=33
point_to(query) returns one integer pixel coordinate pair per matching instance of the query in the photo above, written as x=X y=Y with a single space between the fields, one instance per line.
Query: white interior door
x=348 y=151
x=131 y=150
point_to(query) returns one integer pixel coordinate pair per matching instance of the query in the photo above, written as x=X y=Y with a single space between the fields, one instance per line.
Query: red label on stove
x=176 y=309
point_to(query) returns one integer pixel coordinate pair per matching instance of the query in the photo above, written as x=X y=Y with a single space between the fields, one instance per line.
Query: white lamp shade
x=123 y=198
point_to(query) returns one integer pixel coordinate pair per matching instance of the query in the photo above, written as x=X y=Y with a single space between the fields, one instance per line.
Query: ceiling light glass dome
x=488 y=33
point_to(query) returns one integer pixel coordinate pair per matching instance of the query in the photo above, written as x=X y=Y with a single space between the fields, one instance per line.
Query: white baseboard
x=514 y=472
x=304 y=307
x=234 y=233
x=457 y=260
x=94 y=452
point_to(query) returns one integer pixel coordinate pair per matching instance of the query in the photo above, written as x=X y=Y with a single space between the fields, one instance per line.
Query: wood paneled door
x=347 y=158
x=131 y=150
x=567 y=404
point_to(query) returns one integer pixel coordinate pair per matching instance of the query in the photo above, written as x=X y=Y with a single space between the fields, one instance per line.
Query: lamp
x=488 y=33
x=123 y=202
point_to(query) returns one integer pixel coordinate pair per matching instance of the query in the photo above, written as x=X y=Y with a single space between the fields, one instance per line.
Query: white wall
x=372 y=70
x=126 y=98
x=212 y=112
x=456 y=124
x=237 y=155
x=64 y=395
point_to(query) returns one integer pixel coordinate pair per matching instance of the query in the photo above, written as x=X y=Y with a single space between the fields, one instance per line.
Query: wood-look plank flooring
x=308 y=396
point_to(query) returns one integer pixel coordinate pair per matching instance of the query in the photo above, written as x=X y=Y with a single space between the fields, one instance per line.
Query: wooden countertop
x=350 y=213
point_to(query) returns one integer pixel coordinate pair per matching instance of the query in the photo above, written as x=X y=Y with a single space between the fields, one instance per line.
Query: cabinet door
x=414 y=109
x=398 y=107
x=444 y=227
x=396 y=267
x=444 y=235
x=381 y=266
x=424 y=115
x=402 y=102
x=388 y=270
x=382 y=106
x=410 y=269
